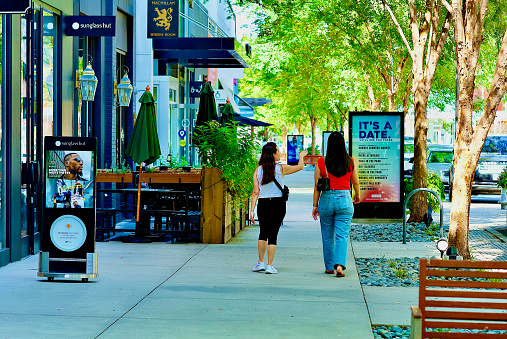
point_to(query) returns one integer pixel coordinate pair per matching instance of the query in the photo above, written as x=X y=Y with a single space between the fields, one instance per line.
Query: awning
x=243 y=121
x=257 y=101
x=199 y=52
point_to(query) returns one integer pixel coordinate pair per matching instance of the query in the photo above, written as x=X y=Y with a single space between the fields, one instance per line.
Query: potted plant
x=228 y=154
x=502 y=183
x=118 y=175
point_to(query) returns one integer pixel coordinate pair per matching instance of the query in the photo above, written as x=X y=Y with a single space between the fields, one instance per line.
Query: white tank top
x=270 y=190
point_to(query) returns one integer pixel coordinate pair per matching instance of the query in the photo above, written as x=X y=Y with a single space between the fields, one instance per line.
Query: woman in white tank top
x=271 y=207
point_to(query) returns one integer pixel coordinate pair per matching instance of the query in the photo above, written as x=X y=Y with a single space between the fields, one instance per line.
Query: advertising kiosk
x=68 y=230
x=376 y=142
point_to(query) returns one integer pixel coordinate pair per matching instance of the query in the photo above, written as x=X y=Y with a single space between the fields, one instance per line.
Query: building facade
x=175 y=67
x=41 y=62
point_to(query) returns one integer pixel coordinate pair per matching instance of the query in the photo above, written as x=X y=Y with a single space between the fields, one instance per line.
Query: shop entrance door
x=34 y=84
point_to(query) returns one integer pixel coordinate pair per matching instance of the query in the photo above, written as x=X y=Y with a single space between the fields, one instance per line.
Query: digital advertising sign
x=295 y=144
x=68 y=230
x=376 y=144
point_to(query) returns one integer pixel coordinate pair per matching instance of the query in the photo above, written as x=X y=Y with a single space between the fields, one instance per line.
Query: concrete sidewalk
x=161 y=290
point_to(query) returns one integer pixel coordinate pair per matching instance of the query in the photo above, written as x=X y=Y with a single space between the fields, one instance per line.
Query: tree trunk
x=427 y=48
x=460 y=207
x=419 y=202
x=313 y=121
x=468 y=27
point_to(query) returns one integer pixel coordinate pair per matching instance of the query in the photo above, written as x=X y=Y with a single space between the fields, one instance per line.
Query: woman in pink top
x=335 y=207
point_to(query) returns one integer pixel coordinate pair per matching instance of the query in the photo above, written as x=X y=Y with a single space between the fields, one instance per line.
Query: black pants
x=271 y=212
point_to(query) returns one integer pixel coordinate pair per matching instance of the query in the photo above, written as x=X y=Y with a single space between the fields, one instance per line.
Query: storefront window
x=2 y=217
x=48 y=52
x=24 y=110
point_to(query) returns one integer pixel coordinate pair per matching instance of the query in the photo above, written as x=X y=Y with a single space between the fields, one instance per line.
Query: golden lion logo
x=164 y=18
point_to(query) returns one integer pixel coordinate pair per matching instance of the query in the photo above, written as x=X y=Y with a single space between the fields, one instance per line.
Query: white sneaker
x=271 y=270
x=259 y=266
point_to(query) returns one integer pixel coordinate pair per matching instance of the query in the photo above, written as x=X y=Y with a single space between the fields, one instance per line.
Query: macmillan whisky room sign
x=163 y=19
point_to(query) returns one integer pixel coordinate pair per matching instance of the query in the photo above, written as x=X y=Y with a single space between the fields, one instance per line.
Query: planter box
x=170 y=178
x=218 y=223
x=125 y=178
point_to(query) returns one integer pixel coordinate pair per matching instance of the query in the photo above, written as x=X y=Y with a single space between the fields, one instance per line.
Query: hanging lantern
x=88 y=83
x=125 y=90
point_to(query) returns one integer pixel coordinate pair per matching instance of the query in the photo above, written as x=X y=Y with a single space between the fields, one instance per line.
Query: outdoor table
x=149 y=197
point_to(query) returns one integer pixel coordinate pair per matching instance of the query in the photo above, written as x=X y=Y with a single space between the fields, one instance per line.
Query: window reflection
x=24 y=108
x=2 y=224
x=48 y=50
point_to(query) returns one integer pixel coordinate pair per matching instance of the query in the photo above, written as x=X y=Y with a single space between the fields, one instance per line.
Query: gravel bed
x=399 y=272
x=391 y=332
x=393 y=232
x=403 y=332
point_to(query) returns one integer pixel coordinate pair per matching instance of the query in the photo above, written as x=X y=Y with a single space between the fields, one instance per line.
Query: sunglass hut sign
x=163 y=19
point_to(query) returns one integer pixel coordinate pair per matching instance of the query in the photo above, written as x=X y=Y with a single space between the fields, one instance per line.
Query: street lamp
x=88 y=83
x=442 y=245
x=124 y=90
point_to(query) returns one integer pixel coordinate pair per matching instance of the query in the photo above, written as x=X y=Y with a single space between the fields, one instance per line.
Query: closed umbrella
x=143 y=145
x=227 y=114
x=207 y=106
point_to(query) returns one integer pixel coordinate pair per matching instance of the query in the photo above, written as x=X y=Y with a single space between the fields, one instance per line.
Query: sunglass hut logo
x=70 y=143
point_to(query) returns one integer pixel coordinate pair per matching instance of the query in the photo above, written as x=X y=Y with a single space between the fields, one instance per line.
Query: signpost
x=195 y=88
x=163 y=19
x=91 y=25
x=15 y=7
x=68 y=231
x=376 y=144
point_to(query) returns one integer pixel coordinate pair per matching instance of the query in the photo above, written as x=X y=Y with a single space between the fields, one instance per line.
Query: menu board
x=376 y=148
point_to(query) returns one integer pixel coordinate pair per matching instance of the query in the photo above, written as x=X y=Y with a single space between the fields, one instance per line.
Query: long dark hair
x=267 y=161
x=338 y=162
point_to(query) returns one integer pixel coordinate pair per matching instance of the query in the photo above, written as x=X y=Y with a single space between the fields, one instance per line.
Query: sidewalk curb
x=496 y=234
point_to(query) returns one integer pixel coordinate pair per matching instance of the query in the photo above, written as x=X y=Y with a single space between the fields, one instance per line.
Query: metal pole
x=405 y=212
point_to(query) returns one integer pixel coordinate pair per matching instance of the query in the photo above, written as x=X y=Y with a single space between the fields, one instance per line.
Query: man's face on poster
x=74 y=164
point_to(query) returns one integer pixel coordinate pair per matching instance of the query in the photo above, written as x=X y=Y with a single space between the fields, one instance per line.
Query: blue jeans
x=335 y=211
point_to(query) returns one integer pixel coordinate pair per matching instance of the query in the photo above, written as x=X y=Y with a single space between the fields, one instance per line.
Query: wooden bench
x=449 y=300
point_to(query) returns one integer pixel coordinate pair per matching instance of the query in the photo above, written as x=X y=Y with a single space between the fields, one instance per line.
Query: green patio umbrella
x=227 y=114
x=207 y=107
x=143 y=145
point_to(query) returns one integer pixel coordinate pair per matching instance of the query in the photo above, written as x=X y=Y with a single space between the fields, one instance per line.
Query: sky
x=244 y=20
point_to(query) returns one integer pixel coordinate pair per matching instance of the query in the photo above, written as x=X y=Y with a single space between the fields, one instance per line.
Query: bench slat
x=465 y=274
x=468 y=294
x=466 y=304
x=466 y=284
x=467 y=264
x=469 y=325
x=480 y=316
x=465 y=315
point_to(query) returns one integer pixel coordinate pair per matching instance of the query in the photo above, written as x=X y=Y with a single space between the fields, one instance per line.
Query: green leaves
x=232 y=150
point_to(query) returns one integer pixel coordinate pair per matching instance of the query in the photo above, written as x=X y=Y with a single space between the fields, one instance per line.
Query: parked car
x=486 y=175
x=408 y=164
x=439 y=159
